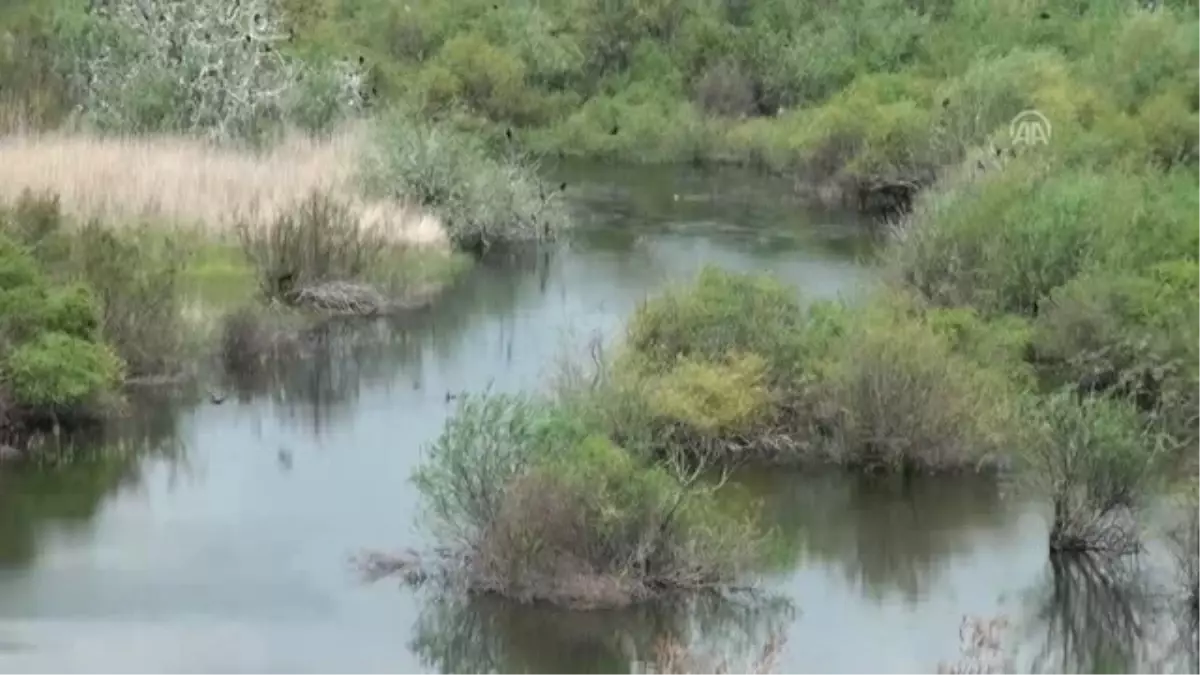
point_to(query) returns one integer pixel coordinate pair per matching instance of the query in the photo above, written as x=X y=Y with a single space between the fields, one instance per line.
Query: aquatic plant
x=904 y=399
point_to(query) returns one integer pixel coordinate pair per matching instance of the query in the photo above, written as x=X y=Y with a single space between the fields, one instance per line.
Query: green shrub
x=548 y=511
x=485 y=77
x=58 y=371
x=905 y=399
x=713 y=399
x=1002 y=342
x=484 y=201
x=123 y=281
x=1130 y=334
x=719 y=313
x=135 y=275
x=1096 y=460
x=1004 y=242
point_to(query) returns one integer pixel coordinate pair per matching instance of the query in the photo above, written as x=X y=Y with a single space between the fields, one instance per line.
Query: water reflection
x=889 y=536
x=64 y=482
x=1093 y=615
x=485 y=634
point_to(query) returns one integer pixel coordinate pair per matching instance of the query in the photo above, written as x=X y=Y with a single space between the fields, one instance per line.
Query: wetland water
x=216 y=538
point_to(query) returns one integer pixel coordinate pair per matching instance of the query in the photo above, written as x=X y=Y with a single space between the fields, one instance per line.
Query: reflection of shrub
x=1096 y=460
x=546 y=510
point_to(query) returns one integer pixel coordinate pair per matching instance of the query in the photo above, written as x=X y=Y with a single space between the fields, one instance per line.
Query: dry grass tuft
x=673 y=657
x=190 y=182
x=981 y=641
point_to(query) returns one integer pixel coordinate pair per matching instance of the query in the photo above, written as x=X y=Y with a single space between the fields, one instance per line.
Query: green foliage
x=482 y=199
x=714 y=399
x=488 y=442
x=720 y=313
x=550 y=510
x=1004 y=242
x=51 y=357
x=35 y=94
x=905 y=398
x=1129 y=333
x=127 y=279
x=56 y=370
x=1097 y=461
x=486 y=78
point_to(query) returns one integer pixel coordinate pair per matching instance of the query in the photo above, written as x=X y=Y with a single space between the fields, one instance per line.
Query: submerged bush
x=544 y=509
x=484 y=200
x=1097 y=461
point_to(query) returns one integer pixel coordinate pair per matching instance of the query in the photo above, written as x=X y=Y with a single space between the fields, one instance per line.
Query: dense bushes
x=54 y=361
x=133 y=274
x=543 y=508
x=876 y=87
x=735 y=367
x=483 y=200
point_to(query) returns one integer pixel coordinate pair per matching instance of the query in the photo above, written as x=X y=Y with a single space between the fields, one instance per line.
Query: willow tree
x=216 y=68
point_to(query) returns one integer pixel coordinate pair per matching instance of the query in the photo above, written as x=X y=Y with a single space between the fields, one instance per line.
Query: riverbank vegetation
x=1038 y=305
x=1037 y=310
x=161 y=161
x=852 y=96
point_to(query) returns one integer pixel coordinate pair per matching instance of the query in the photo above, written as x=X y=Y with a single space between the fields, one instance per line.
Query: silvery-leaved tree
x=212 y=68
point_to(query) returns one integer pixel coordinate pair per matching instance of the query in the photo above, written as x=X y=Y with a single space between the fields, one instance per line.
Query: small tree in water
x=1095 y=458
x=204 y=67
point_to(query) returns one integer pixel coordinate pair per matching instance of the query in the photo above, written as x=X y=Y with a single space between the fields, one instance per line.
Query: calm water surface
x=216 y=538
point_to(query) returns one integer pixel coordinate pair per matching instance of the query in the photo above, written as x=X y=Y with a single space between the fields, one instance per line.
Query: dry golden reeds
x=193 y=183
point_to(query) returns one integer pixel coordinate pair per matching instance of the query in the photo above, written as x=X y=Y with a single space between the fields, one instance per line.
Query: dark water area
x=211 y=537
